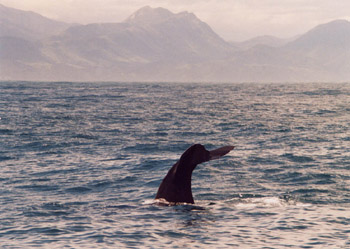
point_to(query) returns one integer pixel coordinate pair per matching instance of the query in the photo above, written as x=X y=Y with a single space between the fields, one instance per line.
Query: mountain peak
x=149 y=15
x=336 y=25
x=332 y=34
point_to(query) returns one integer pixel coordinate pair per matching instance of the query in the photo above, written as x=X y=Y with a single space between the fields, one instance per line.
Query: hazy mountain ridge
x=154 y=44
x=27 y=25
x=266 y=40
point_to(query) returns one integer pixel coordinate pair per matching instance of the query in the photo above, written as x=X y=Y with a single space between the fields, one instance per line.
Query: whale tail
x=217 y=153
x=176 y=185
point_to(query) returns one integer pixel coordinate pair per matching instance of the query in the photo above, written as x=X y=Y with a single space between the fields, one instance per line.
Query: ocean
x=80 y=164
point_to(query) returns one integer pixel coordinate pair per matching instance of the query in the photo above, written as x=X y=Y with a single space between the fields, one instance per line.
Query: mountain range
x=154 y=44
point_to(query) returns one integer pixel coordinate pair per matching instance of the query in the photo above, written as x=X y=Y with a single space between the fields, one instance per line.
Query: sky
x=233 y=20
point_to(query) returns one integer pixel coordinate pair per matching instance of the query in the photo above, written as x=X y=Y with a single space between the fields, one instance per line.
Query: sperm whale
x=176 y=185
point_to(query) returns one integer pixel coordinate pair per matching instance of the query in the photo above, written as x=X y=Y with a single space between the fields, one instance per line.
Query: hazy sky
x=234 y=20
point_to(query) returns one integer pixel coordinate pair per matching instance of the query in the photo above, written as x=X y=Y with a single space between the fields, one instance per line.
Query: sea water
x=80 y=164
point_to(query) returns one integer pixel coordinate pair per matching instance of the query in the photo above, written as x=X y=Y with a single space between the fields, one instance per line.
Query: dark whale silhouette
x=176 y=186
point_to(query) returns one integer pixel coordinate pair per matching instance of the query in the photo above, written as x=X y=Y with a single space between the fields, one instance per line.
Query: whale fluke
x=176 y=185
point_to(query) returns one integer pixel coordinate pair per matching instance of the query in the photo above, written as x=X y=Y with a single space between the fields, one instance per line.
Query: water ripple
x=80 y=164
